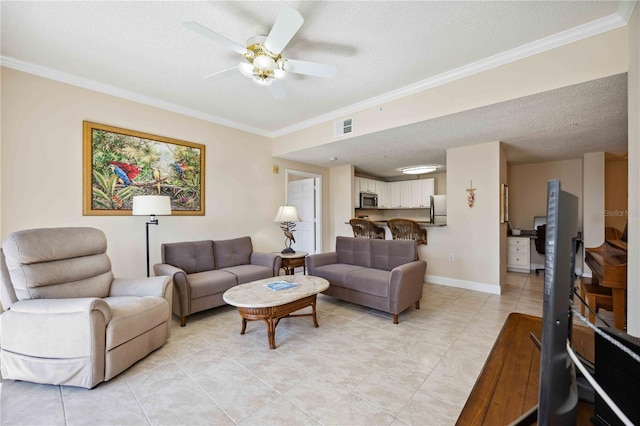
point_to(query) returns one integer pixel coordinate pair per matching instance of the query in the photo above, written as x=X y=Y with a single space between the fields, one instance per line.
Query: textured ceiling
x=535 y=128
x=141 y=49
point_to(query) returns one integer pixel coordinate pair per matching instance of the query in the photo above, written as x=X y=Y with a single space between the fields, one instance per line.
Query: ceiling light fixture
x=262 y=66
x=418 y=170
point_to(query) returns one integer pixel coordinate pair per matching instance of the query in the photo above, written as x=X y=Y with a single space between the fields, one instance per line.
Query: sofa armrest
x=270 y=260
x=180 y=285
x=149 y=286
x=321 y=259
x=405 y=284
x=55 y=328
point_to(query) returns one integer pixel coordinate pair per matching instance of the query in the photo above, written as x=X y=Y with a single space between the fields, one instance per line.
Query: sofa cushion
x=354 y=251
x=132 y=316
x=248 y=273
x=190 y=256
x=210 y=282
x=336 y=273
x=232 y=252
x=369 y=280
x=58 y=263
x=388 y=254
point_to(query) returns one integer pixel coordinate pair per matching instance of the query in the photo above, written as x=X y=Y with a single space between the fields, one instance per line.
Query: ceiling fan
x=264 y=62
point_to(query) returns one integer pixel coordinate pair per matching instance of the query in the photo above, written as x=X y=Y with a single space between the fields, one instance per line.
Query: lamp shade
x=146 y=205
x=287 y=214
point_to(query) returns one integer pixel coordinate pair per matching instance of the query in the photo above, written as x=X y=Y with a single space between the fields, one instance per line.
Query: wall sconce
x=152 y=205
x=287 y=215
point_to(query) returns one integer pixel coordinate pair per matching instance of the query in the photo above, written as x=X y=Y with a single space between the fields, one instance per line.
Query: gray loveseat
x=203 y=270
x=380 y=274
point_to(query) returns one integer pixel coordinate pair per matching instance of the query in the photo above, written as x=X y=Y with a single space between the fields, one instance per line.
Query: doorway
x=304 y=191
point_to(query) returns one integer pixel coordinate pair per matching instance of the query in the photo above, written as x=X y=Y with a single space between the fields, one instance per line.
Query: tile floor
x=357 y=368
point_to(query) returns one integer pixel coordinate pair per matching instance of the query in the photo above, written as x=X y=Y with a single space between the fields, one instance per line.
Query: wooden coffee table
x=256 y=301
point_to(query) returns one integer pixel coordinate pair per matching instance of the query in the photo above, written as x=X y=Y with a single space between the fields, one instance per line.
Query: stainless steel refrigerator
x=438 y=214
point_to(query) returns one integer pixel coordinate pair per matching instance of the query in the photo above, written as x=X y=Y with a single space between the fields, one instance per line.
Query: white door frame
x=318 y=200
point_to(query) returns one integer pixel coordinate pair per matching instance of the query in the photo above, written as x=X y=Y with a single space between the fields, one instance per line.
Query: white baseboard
x=467 y=285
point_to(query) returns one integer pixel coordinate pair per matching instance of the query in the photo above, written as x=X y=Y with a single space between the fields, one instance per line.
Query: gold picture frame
x=120 y=163
x=504 y=203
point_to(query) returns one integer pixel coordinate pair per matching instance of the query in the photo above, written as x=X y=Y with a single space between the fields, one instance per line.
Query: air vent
x=343 y=127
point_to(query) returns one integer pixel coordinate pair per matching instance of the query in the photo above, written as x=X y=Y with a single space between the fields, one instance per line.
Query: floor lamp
x=151 y=205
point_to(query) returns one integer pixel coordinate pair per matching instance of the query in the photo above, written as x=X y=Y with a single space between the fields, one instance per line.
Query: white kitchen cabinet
x=405 y=194
x=382 y=189
x=421 y=192
x=519 y=254
x=367 y=185
x=396 y=194
x=411 y=193
x=393 y=195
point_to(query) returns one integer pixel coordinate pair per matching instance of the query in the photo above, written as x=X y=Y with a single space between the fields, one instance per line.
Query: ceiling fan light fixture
x=419 y=170
x=246 y=69
x=279 y=73
x=264 y=62
x=262 y=80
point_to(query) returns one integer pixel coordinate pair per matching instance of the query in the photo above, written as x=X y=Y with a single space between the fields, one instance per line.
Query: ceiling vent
x=343 y=127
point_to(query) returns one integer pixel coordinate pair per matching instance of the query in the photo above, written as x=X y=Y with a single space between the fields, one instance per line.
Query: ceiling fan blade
x=310 y=68
x=277 y=91
x=222 y=74
x=286 y=26
x=206 y=32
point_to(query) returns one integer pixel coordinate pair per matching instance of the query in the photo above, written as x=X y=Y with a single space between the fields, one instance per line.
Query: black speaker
x=619 y=376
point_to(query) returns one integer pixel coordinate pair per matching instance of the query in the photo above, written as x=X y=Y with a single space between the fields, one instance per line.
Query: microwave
x=368 y=200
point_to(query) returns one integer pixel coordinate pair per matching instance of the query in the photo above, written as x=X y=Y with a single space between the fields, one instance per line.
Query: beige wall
x=633 y=261
x=616 y=183
x=472 y=234
x=593 y=201
x=41 y=171
x=528 y=195
x=342 y=193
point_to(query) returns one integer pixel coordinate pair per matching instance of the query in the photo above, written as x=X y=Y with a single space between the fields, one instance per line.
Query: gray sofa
x=380 y=274
x=203 y=270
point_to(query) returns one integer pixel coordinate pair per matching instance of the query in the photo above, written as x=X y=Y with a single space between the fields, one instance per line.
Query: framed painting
x=120 y=163
x=504 y=203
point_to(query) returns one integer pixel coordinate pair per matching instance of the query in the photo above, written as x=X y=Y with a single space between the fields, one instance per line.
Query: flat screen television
x=557 y=392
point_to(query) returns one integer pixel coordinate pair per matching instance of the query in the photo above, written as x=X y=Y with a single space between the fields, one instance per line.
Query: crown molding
x=599 y=26
x=625 y=9
x=589 y=29
x=107 y=89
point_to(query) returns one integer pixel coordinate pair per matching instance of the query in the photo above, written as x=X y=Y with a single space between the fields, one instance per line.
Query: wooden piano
x=608 y=263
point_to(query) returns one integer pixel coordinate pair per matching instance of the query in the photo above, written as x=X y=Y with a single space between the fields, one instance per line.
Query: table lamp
x=152 y=205
x=287 y=215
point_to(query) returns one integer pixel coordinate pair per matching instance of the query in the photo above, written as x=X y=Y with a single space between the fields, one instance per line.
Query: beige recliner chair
x=67 y=320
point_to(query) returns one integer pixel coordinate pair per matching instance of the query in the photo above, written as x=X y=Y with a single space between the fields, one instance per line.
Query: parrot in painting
x=180 y=169
x=156 y=176
x=131 y=170
x=122 y=176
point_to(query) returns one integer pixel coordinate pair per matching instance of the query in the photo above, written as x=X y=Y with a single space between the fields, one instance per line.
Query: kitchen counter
x=424 y=224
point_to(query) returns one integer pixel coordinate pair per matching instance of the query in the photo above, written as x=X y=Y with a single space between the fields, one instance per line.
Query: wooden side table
x=292 y=261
